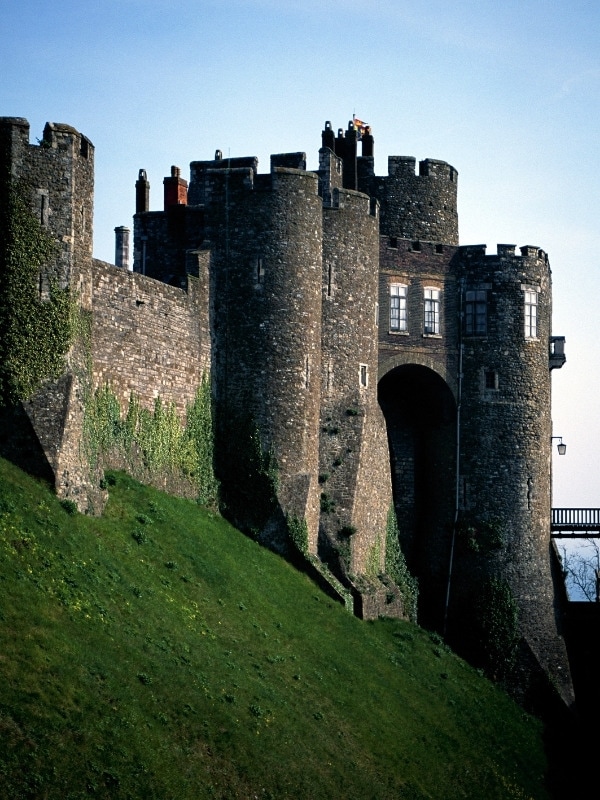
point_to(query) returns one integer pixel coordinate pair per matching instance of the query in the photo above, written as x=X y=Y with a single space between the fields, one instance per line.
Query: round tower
x=502 y=542
x=421 y=206
x=267 y=266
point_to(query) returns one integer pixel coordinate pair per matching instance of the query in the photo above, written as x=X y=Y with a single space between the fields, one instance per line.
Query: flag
x=360 y=126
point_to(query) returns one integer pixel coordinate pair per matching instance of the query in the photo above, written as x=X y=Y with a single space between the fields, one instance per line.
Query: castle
x=370 y=360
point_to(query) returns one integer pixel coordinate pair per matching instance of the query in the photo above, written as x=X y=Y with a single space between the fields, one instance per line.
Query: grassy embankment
x=158 y=653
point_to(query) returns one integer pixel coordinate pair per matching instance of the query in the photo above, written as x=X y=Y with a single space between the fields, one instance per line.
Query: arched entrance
x=420 y=413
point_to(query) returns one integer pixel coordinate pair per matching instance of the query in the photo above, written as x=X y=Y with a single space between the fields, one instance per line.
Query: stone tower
x=56 y=180
x=465 y=357
x=266 y=236
x=505 y=301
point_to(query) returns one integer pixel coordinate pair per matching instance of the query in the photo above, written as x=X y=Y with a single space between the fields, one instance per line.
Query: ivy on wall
x=395 y=567
x=497 y=628
x=483 y=536
x=249 y=474
x=200 y=435
x=157 y=440
x=298 y=533
x=35 y=334
x=373 y=559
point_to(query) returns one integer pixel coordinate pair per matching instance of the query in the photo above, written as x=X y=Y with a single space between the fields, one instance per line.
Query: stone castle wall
x=279 y=284
x=149 y=339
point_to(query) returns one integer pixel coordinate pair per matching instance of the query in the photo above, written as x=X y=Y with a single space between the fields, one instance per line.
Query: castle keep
x=357 y=353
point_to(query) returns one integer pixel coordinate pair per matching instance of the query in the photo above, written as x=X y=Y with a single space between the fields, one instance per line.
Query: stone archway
x=420 y=413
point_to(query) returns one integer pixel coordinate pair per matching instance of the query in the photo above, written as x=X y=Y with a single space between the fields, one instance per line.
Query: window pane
x=530 y=314
x=397 y=307
x=476 y=312
x=432 y=311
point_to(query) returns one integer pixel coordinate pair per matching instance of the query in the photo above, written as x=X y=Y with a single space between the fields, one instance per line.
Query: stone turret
x=505 y=440
x=349 y=406
x=56 y=177
x=417 y=206
x=268 y=333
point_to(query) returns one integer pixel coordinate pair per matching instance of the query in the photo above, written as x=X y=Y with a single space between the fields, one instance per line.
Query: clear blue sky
x=507 y=92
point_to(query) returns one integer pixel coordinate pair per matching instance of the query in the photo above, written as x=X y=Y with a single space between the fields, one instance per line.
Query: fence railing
x=575 y=520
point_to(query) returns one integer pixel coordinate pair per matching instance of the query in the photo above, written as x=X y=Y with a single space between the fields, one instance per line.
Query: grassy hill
x=158 y=653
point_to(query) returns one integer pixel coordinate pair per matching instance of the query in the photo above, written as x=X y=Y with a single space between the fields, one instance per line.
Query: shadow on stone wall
x=20 y=445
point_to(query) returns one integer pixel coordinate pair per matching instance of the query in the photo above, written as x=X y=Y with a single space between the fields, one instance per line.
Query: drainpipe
x=457 y=476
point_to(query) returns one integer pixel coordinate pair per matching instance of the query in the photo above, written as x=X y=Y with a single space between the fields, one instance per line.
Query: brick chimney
x=175 y=189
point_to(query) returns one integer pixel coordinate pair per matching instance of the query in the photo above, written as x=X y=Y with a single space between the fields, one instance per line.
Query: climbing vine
x=249 y=473
x=483 y=536
x=395 y=567
x=158 y=438
x=298 y=533
x=373 y=559
x=200 y=443
x=35 y=333
x=496 y=623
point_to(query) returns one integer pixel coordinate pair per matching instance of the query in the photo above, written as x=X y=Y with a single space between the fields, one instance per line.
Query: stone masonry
x=377 y=361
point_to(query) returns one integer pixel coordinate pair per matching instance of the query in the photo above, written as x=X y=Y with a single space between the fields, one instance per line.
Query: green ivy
x=158 y=438
x=395 y=567
x=298 y=533
x=496 y=622
x=326 y=503
x=482 y=536
x=200 y=443
x=344 y=553
x=248 y=473
x=373 y=559
x=343 y=593
x=35 y=334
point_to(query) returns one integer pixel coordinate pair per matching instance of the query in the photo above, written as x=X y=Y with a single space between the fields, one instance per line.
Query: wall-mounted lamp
x=561 y=446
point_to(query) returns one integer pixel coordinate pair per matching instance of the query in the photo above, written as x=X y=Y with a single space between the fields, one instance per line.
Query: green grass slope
x=158 y=653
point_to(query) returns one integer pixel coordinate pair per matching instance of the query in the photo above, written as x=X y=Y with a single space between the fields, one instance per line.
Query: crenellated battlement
x=200 y=169
x=428 y=168
x=354 y=201
x=57 y=135
x=57 y=139
x=289 y=161
x=504 y=251
x=235 y=181
x=15 y=130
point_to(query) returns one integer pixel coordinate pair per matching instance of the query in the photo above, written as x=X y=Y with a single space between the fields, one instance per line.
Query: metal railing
x=575 y=521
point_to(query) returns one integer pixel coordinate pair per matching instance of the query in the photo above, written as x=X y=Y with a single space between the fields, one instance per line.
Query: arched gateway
x=420 y=414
